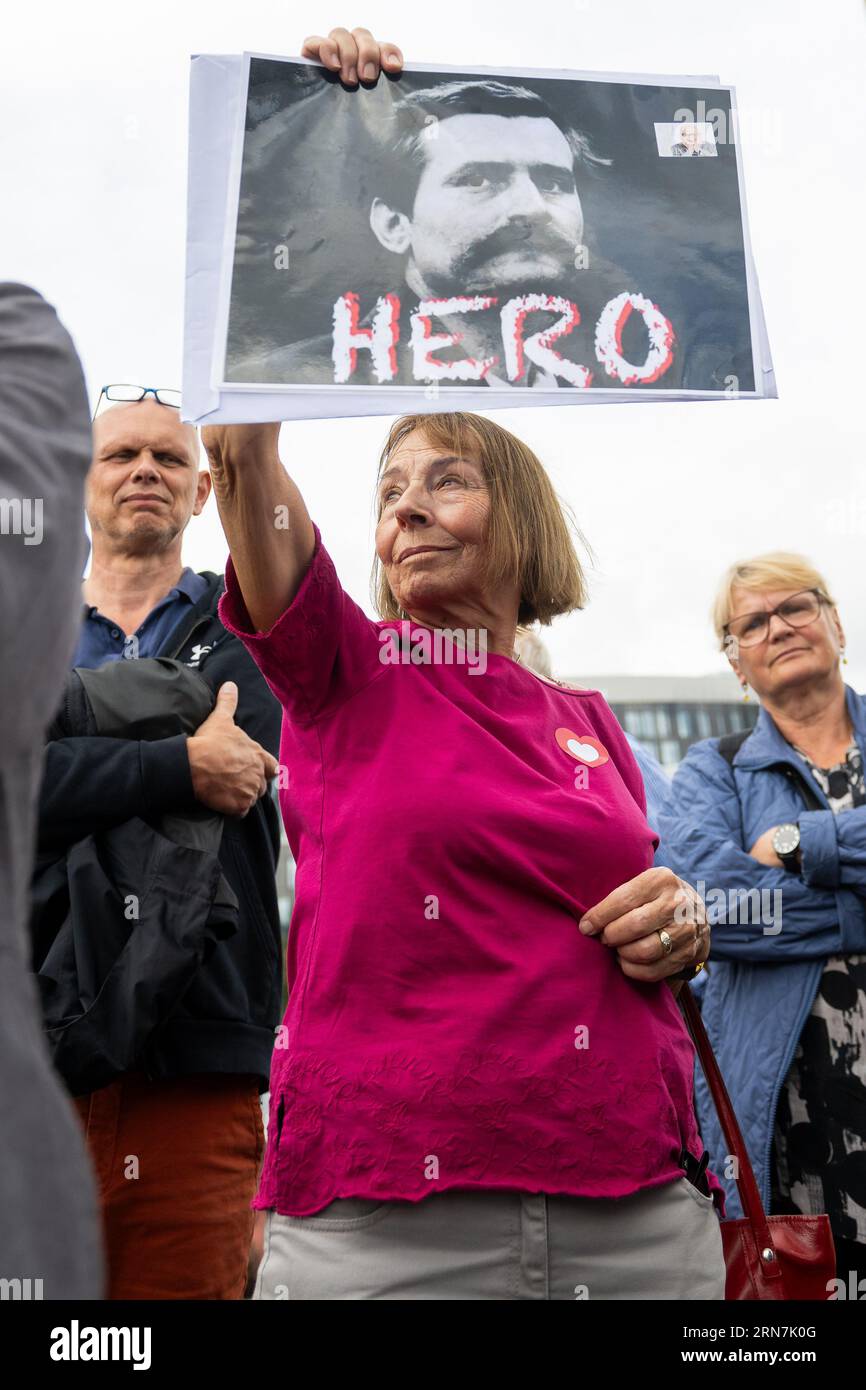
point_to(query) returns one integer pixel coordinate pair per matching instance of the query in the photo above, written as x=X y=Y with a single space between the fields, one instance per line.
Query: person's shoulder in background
x=310 y=362
x=655 y=779
x=307 y=362
x=657 y=786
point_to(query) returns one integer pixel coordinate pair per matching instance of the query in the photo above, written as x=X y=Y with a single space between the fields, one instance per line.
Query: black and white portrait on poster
x=447 y=230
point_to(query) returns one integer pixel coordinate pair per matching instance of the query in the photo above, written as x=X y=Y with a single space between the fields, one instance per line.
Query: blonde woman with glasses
x=771 y=825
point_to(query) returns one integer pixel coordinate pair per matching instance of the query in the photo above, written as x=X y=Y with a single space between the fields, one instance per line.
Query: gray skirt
x=660 y=1243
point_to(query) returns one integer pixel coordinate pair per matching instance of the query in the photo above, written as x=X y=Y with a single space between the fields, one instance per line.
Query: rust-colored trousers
x=177 y=1163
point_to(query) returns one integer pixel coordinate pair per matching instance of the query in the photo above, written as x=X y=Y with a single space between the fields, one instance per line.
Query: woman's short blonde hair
x=779 y=569
x=528 y=535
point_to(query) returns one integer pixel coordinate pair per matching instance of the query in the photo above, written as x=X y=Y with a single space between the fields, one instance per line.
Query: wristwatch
x=786 y=843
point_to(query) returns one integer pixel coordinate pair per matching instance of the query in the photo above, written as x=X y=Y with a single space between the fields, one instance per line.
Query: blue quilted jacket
x=768 y=952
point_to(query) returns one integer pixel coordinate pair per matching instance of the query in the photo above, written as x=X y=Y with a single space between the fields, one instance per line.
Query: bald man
x=177 y=1141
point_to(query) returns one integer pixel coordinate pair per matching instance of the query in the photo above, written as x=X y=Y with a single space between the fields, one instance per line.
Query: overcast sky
x=93 y=104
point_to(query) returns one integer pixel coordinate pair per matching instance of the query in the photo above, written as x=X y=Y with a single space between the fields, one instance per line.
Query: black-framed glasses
x=750 y=629
x=125 y=391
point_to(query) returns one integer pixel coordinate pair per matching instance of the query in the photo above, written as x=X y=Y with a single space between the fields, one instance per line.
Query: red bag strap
x=747 y=1187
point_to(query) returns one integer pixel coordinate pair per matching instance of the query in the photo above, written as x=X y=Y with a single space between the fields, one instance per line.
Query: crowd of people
x=481 y=1085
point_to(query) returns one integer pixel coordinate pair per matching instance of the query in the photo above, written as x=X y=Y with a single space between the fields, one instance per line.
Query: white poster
x=453 y=239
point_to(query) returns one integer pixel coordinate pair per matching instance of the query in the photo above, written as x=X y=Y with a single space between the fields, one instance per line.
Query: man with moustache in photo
x=477 y=196
x=472 y=189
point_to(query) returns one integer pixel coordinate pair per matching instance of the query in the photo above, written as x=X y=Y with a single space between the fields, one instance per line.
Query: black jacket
x=226 y=1018
x=125 y=918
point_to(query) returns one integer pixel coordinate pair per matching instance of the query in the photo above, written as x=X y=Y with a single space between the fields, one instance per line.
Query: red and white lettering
x=608 y=339
x=380 y=339
x=537 y=346
x=425 y=341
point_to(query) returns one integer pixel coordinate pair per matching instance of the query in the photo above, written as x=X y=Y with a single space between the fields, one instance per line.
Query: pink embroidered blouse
x=448 y=1026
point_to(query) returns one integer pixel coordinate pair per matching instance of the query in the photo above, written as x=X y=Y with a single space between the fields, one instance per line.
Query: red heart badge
x=582 y=747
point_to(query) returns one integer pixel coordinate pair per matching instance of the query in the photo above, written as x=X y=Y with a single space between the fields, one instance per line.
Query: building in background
x=670 y=713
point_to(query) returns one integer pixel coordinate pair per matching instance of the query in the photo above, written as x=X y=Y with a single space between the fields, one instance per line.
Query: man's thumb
x=226 y=700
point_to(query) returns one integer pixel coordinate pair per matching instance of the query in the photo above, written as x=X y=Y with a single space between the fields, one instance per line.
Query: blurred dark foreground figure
x=48 y=1214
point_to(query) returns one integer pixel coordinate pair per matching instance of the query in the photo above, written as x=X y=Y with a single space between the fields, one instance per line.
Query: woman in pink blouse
x=483 y=1086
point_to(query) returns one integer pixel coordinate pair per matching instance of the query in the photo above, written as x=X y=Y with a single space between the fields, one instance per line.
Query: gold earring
x=745 y=687
x=844 y=658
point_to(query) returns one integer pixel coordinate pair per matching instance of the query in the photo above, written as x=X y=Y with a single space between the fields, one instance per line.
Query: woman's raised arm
x=264 y=517
x=267 y=525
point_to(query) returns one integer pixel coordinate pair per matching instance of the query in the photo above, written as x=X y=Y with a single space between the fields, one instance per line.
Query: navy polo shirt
x=100 y=640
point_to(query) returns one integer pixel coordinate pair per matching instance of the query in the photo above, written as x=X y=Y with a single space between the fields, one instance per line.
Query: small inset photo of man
x=685 y=139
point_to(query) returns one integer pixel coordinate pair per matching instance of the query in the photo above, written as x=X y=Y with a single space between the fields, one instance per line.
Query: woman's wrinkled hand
x=355 y=54
x=630 y=918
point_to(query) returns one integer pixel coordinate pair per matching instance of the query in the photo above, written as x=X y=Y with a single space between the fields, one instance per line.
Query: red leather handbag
x=767 y=1257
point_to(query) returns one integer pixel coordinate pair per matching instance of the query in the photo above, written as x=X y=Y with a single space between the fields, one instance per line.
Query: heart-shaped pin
x=582 y=747
x=582 y=750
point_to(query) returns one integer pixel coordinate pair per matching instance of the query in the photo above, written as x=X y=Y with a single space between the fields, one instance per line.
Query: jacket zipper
x=810 y=795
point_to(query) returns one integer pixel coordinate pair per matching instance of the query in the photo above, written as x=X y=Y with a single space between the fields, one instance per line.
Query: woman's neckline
x=499 y=656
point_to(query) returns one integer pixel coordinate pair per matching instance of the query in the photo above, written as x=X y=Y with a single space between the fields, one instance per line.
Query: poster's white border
x=761 y=357
x=233 y=193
